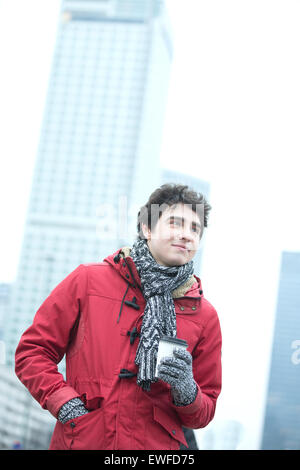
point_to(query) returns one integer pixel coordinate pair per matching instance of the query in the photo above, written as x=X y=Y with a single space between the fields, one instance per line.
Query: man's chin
x=175 y=261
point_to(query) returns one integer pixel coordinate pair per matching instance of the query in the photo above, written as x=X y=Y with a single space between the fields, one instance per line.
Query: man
x=108 y=319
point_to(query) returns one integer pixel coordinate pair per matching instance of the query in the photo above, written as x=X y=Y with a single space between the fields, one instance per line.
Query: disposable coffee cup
x=166 y=347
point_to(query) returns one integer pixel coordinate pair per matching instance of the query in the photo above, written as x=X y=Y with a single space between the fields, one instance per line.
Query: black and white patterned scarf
x=157 y=282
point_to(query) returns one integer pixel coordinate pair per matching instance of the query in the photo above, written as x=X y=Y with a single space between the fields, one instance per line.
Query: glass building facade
x=282 y=417
x=98 y=157
x=99 y=145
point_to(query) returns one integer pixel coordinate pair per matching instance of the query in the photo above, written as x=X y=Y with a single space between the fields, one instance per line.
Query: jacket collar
x=123 y=263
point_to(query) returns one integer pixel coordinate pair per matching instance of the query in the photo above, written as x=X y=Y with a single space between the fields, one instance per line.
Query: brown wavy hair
x=166 y=196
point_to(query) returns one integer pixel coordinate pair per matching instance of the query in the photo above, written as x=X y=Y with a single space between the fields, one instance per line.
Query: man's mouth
x=181 y=247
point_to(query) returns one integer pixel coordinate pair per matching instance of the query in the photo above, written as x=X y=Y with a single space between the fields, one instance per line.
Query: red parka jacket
x=94 y=316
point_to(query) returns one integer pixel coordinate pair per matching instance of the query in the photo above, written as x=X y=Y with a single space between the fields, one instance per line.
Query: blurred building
x=5 y=297
x=282 y=417
x=100 y=143
x=24 y=425
x=221 y=435
x=98 y=155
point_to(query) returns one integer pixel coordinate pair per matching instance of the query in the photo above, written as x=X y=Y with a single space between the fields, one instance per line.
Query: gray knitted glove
x=70 y=410
x=178 y=372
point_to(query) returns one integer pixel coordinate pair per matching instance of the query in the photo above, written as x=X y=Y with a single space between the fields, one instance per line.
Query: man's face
x=176 y=236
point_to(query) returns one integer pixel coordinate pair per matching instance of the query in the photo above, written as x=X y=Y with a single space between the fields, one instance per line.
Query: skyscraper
x=5 y=298
x=99 y=144
x=98 y=157
x=282 y=417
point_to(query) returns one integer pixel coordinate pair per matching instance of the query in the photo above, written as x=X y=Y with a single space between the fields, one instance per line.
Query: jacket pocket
x=90 y=392
x=170 y=424
x=87 y=431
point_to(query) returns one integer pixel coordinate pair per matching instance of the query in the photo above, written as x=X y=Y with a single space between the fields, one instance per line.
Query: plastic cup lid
x=170 y=339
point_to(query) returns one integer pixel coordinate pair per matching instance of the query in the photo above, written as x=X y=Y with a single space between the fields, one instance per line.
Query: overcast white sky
x=232 y=119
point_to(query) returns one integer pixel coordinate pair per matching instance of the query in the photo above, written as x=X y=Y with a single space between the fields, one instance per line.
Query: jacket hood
x=122 y=262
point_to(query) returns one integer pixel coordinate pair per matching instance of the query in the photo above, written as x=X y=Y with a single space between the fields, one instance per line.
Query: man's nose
x=186 y=233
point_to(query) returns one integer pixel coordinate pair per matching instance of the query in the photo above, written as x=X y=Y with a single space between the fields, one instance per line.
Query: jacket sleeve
x=43 y=345
x=208 y=376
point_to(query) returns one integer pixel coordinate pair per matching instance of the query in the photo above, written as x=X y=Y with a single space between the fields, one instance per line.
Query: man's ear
x=146 y=231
